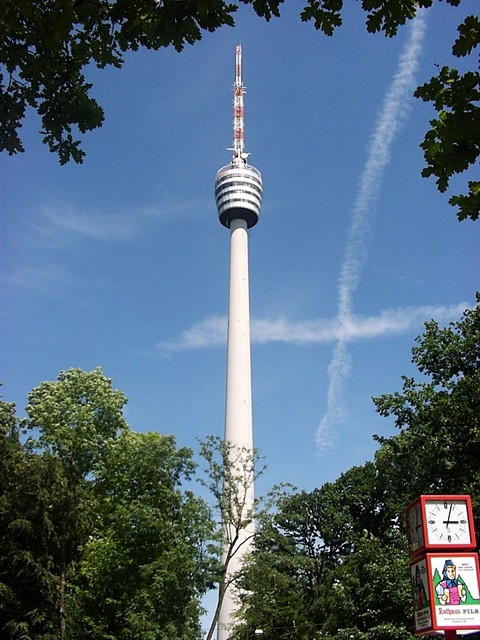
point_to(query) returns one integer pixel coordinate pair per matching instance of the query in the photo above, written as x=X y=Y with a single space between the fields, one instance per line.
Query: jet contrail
x=394 y=109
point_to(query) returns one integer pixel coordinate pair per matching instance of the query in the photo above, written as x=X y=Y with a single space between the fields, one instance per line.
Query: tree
x=438 y=418
x=30 y=512
x=285 y=570
x=76 y=416
x=46 y=46
x=99 y=538
x=308 y=544
x=145 y=564
x=368 y=596
x=229 y=475
x=452 y=145
x=340 y=551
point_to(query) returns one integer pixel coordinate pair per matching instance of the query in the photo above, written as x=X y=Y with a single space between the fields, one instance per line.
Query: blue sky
x=122 y=263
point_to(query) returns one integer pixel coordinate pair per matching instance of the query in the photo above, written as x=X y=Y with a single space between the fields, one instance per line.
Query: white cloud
x=97 y=225
x=63 y=225
x=68 y=222
x=46 y=279
x=212 y=332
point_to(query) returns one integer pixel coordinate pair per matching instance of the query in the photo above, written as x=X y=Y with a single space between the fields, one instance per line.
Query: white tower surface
x=238 y=196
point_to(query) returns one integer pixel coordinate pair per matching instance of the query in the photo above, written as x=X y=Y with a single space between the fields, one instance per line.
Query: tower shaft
x=238 y=196
x=238 y=403
x=238 y=417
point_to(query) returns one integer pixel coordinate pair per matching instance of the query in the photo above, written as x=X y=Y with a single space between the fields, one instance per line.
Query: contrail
x=392 y=115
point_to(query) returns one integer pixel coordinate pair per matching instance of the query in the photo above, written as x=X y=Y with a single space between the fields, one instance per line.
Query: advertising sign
x=421 y=591
x=455 y=590
x=446 y=592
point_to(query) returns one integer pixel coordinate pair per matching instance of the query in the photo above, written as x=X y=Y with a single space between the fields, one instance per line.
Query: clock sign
x=415 y=527
x=440 y=522
x=447 y=521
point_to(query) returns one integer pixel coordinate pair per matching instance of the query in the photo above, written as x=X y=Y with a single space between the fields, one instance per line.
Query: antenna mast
x=238 y=109
x=238 y=186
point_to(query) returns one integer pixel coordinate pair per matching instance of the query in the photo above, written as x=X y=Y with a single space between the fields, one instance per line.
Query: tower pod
x=238 y=193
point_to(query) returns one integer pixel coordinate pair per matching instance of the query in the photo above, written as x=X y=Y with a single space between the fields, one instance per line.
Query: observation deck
x=238 y=193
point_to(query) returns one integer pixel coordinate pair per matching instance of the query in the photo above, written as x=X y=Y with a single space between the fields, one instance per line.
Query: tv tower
x=238 y=196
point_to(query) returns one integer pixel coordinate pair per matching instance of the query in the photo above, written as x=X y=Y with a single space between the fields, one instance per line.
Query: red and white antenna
x=238 y=109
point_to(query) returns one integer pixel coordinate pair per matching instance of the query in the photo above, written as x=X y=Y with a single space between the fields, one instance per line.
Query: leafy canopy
x=99 y=538
x=452 y=145
x=333 y=563
x=46 y=46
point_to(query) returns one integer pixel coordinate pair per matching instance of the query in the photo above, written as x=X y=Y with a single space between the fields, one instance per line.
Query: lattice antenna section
x=238 y=108
x=238 y=186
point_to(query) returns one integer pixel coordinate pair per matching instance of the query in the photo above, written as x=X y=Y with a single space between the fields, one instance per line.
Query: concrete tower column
x=238 y=196
x=238 y=409
x=238 y=402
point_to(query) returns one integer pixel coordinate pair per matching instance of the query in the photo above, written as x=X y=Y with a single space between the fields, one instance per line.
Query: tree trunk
x=62 y=587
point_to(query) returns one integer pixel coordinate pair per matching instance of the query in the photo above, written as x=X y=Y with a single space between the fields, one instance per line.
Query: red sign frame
x=417 y=548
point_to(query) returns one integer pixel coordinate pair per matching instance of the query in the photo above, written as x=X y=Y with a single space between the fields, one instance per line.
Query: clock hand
x=447 y=521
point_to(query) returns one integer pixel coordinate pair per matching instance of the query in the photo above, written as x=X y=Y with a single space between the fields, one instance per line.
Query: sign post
x=444 y=570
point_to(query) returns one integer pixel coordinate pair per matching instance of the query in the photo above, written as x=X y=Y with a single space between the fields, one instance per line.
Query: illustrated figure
x=421 y=599
x=450 y=590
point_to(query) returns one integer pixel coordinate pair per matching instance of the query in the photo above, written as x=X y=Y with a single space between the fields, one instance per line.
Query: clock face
x=415 y=526
x=446 y=522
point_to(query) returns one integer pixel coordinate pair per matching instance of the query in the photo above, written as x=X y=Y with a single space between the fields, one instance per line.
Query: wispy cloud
x=60 y=226
x=392 y=115
x=71 y=222
x=45 y=279
x=212 y=332
x=68 y=221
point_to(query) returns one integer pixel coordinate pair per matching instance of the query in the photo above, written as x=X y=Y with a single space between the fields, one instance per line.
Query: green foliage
x=30 y=512
x=367 y=592
x=45 y=47
x=285 y=568
x=76 y=415
x=229 y=474
x=439 y=439
x=382 y=15
x=469 y=37
x=326 y=15
x=335 y=560
x=99 y=540
x=265 y=8
x=452 y=145
x=313 y=543
x=144 y=564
